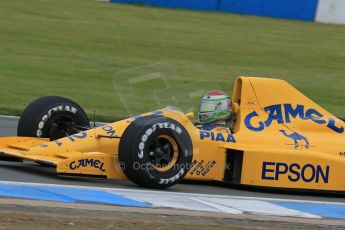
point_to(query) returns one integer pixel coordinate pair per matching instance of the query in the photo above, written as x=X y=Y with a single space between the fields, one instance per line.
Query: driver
x=215 y=111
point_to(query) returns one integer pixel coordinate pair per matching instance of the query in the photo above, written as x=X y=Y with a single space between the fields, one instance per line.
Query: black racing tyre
x=155 y=152
x=51 y=117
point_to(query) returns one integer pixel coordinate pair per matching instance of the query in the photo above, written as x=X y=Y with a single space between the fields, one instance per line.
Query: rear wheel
x=155 y=152
x=52 y=117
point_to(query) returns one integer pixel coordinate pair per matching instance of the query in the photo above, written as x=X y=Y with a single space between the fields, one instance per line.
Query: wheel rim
x=163 y=153
x=60 y=126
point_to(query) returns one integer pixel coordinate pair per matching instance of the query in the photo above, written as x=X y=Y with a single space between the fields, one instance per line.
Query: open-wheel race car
x=280 y=139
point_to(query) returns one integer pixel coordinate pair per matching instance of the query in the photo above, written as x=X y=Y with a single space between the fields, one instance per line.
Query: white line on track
x=218 y=206
x=155 y=192
x=193 y=201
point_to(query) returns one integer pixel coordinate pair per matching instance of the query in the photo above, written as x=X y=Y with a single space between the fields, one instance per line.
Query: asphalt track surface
x=33 y=173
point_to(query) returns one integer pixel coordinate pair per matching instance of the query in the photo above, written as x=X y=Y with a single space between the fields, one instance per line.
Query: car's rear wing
x=263 y=102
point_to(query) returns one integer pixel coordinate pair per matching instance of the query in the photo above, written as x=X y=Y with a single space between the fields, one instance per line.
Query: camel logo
x=296 y=137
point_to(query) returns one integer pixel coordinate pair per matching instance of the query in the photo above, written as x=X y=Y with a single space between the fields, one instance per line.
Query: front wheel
x=155 y=152
x=52 y=117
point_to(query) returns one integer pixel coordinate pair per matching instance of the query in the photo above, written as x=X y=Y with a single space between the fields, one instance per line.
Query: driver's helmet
x=215 y=105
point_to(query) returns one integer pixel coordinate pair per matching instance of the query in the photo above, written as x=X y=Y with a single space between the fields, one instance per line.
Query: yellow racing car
x=280 y=139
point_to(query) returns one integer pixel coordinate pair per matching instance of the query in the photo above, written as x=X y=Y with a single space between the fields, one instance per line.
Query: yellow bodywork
x=280 y=139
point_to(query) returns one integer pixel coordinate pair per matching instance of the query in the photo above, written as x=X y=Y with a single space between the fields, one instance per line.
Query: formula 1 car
x=280 y=139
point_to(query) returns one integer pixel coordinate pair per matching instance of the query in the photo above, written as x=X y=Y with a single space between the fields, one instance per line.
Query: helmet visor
x=214 y=105
x=211 y=110
x=207 y=106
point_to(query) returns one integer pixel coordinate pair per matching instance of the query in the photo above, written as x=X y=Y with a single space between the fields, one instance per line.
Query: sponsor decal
x=58 y=143
x=82 y=163
x=149 y=131
x=44 y=145
x=172 y=179
x=109 y=130
x=296 y=137
x=295 y=172
x=215 y=136
x=65 y=108
x=81 y=135
x=72 y=138
x=275 y=113
x=195 y=166
x=199 y=168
